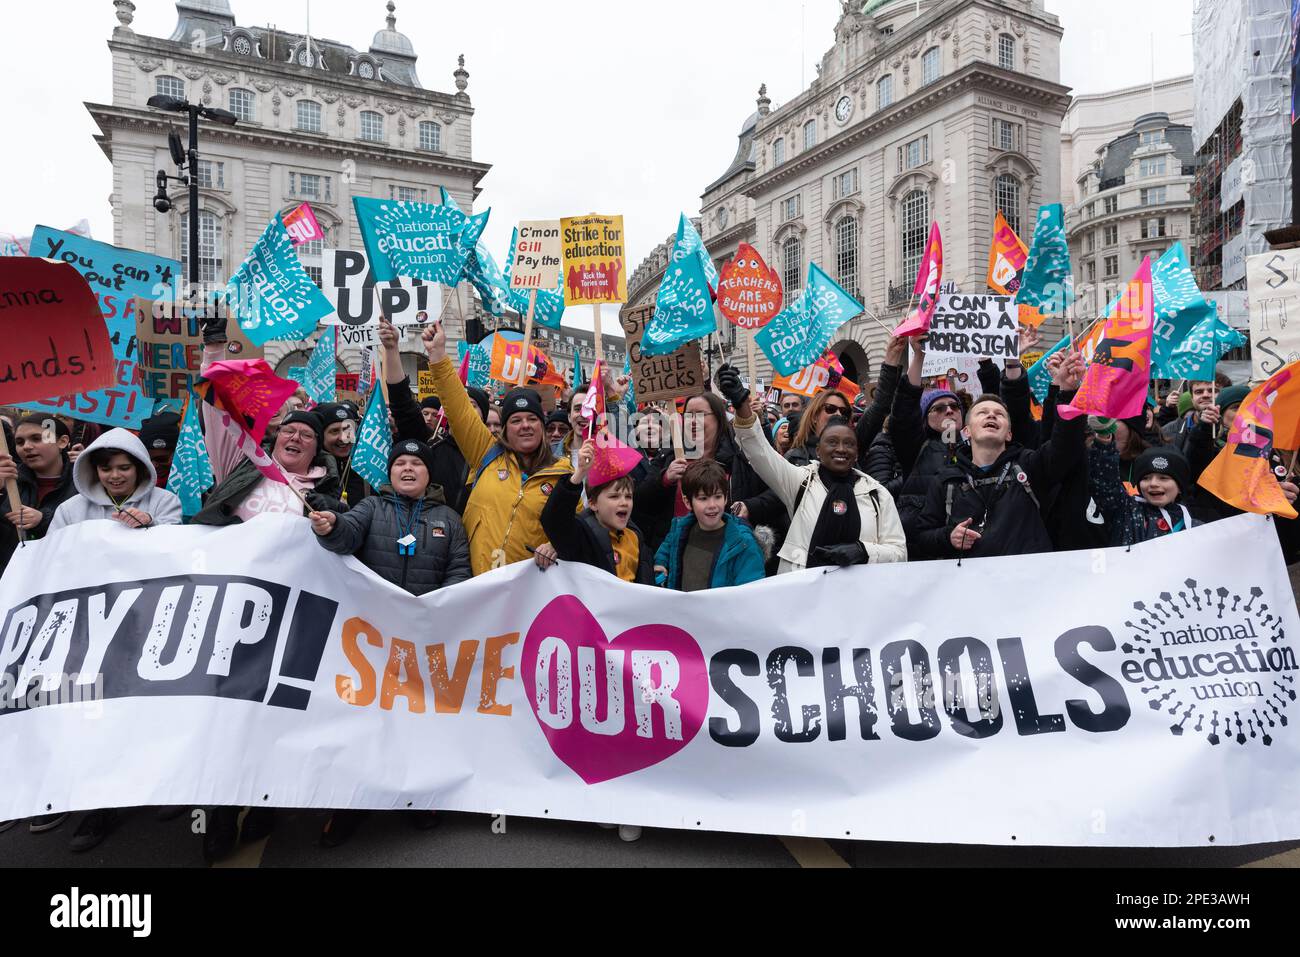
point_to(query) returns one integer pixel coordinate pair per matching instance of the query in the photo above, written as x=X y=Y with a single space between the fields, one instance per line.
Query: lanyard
x=1169 y=522
x=406 y=543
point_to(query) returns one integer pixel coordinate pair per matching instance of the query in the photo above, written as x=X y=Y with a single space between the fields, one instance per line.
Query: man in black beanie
x=341 y=423
x=159 y=436
x=429 y=408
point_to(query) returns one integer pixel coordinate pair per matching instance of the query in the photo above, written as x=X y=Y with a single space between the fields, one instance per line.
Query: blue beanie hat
x=931 y=396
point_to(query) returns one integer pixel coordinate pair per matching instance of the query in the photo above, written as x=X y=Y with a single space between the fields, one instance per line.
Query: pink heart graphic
x=663 y=685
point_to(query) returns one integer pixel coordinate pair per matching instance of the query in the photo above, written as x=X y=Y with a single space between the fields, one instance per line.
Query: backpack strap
x=495 y=453
x=798 y=499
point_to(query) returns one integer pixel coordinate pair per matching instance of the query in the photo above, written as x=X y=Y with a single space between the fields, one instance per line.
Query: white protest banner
x=538 y=255
x=1273 y=291
x=349 y=285
x=972 y=327
x=1155 y=684
x=962 y=372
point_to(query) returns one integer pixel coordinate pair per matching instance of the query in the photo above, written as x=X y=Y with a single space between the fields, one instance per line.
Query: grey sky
x=580 y=105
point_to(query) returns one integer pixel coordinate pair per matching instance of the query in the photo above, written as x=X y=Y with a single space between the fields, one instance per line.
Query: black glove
x=731 y=387
x=214 y=323
x=853 y=553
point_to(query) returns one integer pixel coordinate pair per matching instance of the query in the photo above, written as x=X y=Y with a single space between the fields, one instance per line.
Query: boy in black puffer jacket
x=1164 y=482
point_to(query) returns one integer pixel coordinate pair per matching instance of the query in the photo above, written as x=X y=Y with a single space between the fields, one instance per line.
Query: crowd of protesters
x=729 y=488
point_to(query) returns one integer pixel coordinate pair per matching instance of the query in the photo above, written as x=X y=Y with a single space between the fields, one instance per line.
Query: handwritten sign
x=595 y=265
x=55 y=339
x=538 y=255
x=1273 y=290
x=169 y=347
x=978 y=327
x=660 y=378
x=749 y=293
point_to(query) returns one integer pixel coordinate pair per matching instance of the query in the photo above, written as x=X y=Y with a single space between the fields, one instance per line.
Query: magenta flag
x=928 y=279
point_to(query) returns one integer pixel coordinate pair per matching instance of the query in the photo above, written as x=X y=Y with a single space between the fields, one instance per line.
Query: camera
x=160 y=200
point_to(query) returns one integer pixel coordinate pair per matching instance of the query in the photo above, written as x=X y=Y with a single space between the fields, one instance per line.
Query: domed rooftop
x=389 y=41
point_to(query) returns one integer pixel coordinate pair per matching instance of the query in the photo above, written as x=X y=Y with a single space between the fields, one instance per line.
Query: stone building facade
x=319 y=122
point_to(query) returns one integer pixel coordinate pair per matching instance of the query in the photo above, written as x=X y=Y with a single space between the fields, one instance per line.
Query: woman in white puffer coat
x=115 y=480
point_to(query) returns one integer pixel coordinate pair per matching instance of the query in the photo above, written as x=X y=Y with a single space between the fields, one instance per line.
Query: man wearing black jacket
x=987 y=502
x=44 y=477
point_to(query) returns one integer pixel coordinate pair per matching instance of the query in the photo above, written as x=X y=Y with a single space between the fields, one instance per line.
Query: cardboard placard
x=56 y=340
x=595 y=263
x=538 y=255
x=169 y=348
x=426 y=388
x=972 y=327
x=1273 y=288
x=660 y=378
x=749 y=291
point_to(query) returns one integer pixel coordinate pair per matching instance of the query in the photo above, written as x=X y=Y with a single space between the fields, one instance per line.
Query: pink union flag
x=250 y=391
x=928 y=279
x=613 y=460
x=1116 y=380
x=302 y=226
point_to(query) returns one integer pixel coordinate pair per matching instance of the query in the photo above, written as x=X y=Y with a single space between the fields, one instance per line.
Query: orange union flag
x=505 y=363
x=1007 y=257
x=1242 y=474
x=825 y=373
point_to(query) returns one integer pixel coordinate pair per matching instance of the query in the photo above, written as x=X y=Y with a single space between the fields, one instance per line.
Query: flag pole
x=600 y=352
x=383 y=353
x=528 y=340
x=11 y=489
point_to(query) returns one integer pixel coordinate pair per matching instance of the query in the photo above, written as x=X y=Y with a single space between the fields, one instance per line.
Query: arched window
x=431 y=136
x=372 y=126
x=931 y=65
x=810 y=134
x=778 y=152
x=884 y=91
x=170 y=86
x=846 y=254
x=1006 y=51
x=913 y=228
x=242 y=104
x=1006 y=195
x=211 y=261
x=309 y=116
x=791 y=265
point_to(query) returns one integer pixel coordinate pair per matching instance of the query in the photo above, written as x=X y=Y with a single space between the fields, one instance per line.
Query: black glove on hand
x=214 y=323
x=731 y=387
x=853 y=553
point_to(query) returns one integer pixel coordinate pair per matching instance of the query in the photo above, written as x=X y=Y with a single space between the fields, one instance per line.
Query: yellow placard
x=595 y=261
x=427 y=390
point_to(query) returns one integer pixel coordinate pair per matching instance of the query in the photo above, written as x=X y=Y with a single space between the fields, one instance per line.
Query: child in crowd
x=115 y=479
x=709 y=548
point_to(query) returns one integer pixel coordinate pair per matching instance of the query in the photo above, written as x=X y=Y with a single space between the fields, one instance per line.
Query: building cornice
x=138 y=46
x=1130 y=212
x=109 y=118
x=735 y=234
x=974 y=77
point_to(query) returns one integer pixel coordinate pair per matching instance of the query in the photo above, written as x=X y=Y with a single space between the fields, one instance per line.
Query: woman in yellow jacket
x=510 y=478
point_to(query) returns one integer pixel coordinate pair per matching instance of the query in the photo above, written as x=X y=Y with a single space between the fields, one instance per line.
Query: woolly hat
x=411 y=447
x=559 y=417
x=432 y=402
x=931 y=396
x=1184 y=404
x=1233 y=395
x=521 y=402
x=310 y=419
x=1164 y=460
x=480 y=398
x=162 y=431
x=333 y=412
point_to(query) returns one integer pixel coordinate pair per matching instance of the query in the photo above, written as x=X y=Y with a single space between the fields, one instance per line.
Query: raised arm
x=471 y=435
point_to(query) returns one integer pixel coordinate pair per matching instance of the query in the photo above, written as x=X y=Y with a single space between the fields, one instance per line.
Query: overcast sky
x=580 y=105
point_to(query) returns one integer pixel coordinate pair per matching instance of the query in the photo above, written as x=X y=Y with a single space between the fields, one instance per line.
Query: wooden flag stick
x=752 y=360
x=600 y=352
x=679 y=446
x=528 y=339
x=11 y=489
x=383 y=353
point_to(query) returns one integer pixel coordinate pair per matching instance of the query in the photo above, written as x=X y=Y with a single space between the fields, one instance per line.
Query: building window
x=810 y=134
x=408 y=194
x=1110 y=205
x=310 y=255
x=1090 y=242
x=1092 y=271
x=914 y=231
x=778 y=151
x=846 y=254
x=914 y=153
x=1090 y=210
x=791 y=265
x=211 y=174
x=884 y=91
x=791 y=208
x=1153 y=228
x=372 y=126
x=1006 y=193
x=309 y=114
x=311 y=186
x=1155 y=196
x=1110 y=236
x=211 y=266
x=1006 y=135
x=241 y=104
x=170 y=86
x=430 y=137
x=1007 y=51
x=931 y=65
x=1152 y=137
x=1112 y=267
x=846 y=183
x=887 y=30
x=1152 y=167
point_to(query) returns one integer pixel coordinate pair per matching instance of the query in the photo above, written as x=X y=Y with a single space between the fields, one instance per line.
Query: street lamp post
x=188 y=162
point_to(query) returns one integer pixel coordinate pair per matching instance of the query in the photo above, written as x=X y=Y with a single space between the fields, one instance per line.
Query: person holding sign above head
x=511 y=477
x=838 y=515
x=988 y=501
x=405 y=534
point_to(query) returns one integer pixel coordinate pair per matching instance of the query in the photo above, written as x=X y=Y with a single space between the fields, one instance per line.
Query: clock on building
x=843 y=109
x=243 y=46
x=366 y=71
x=304 y=57
x=723 y=217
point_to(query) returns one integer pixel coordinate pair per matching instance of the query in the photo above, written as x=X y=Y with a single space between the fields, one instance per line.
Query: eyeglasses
x=301 y=435
x=836 y=410
x=945 y=407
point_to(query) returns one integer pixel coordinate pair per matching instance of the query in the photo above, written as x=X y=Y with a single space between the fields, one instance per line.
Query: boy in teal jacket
x=708 y=548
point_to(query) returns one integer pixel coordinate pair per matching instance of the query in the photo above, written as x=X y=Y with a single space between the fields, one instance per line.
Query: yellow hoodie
x=503 y=517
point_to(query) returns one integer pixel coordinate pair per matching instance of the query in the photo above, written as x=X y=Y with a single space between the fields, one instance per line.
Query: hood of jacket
x=85 y=478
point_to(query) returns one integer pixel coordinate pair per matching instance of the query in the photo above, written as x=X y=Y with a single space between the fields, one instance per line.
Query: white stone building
x=319 y=122
x=940 y=110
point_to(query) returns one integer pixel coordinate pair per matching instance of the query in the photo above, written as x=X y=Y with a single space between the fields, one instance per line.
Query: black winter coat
x=28 y=490
x=882 y=464
x=581 y=538
x=1074 y=520
x=450 y=470
x=921 y=452
x=371 y=529
x=1012 y=523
